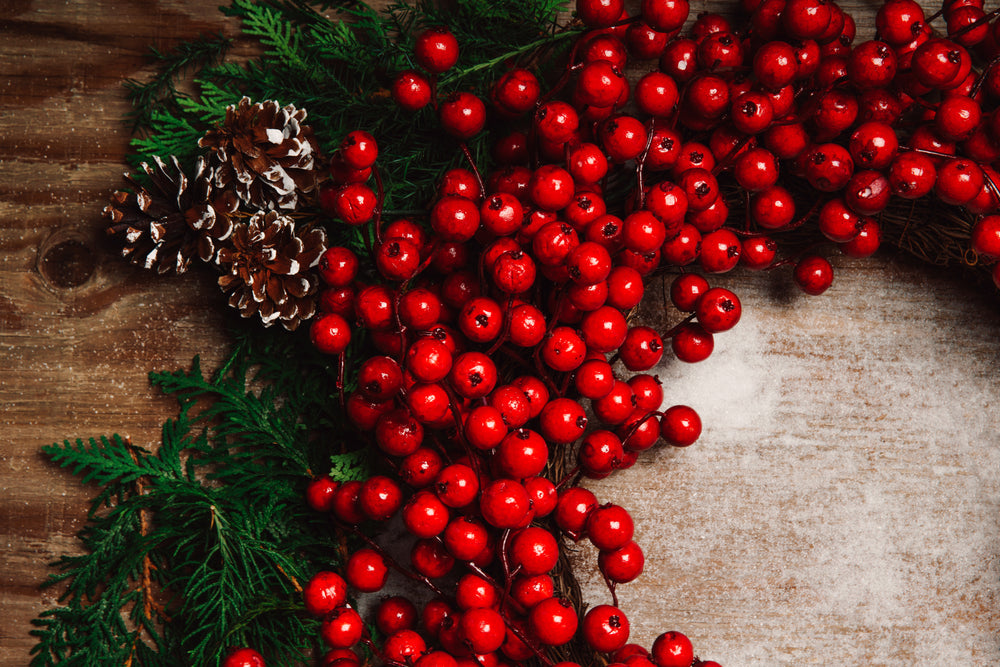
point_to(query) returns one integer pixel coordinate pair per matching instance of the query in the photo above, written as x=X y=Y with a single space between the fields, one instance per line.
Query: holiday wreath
x=437 y=220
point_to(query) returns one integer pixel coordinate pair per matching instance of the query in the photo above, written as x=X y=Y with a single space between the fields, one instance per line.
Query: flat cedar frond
x=209 y=532
x=146 y=97
x=106 y=460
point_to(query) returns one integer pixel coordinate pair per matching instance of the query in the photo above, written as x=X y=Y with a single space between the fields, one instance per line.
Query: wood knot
x=66 y=260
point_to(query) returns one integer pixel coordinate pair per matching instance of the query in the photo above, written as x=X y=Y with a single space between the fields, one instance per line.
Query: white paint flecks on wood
x=842 y=504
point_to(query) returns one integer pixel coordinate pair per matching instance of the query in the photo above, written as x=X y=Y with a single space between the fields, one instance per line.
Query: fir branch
x=147 y=97
x=204 y=543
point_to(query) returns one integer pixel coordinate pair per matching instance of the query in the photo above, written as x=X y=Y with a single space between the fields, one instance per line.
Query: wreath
x=438 y=222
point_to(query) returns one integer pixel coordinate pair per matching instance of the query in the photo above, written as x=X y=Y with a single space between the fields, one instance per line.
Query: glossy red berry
x=686 y=290
x=342 y=628
x=462 y=115
x=985 y=237
x=720 y=251
x=665 y=15
x=672 y=649
x=641 y=349
x=609 y=527
x=243 y=657
x=380 y=497
x=680 y=426
x=522 y=453
x=553 y=621
x=320 y=493
x=813 y=274
x=601 y=453
x=324 y=592
x=504 y=503
x=436 y=50
x=623 y=564
x=517 y=91
x=411 y=90
x=534 y=551
x=425 y=515
x=718 y=310
x=605 y=628
x=330 y=333
x=430 y=558
x=692 y=343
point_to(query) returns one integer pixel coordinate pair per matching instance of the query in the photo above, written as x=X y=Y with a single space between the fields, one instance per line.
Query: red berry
x=516 y=91
x=330 y=333
x=665 y=15
x=324 y=592
x=561 y=421
x=522 y=453
x=609 y=527
x=436 y=49
x=243 y=657
x=430 y=558
x=641 y=349
x=599 y=13
x=680 y=426
x=553 y=621
x=672 y=649
x=320 y=493
x=534 y=550
x=505 y=503
x=718 y=310
x=605 y=628
x=813 y=274
x=462 y=114
x=342 y=628
x=691 y=343
x=623 y=564
x=411 y=90
x=985 y=237
x=573 y=507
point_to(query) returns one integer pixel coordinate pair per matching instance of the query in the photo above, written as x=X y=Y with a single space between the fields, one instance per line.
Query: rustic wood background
x=841 y=507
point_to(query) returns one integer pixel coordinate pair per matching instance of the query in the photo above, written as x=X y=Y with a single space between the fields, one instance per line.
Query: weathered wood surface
x=842 y=506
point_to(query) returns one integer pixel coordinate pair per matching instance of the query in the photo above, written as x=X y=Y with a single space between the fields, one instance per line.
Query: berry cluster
x=497 y=340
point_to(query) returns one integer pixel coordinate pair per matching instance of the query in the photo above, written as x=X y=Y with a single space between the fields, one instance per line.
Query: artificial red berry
x=462 y=115
x=243 y=657
x=534 y=551
x=330 y=333
x=436 y=50
x=599 y=13
x=411 y=90
x=430 y=558
x=342 y=628
x=320 y=493
x=623 y=564
x=680 y=426
x=553 y=621
x=609 y=527
x=504 y=503
x=813 y=274
x=324 y=592
x=718 y=310
x=672 y=649
x=692 y=343
x=605 y=628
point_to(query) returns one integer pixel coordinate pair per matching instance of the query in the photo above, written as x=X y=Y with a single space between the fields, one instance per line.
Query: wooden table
x=842 y=506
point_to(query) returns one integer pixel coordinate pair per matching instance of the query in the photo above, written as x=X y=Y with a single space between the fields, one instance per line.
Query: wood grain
x=78 y=330
x=842 y=506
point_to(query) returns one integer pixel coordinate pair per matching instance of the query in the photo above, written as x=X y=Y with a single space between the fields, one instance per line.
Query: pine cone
x=163 y=228
x=265 y=152
x=266 y=269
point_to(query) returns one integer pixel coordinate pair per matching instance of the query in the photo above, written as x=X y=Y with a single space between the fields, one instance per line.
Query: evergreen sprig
x=341 y=71
x=204 y=543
